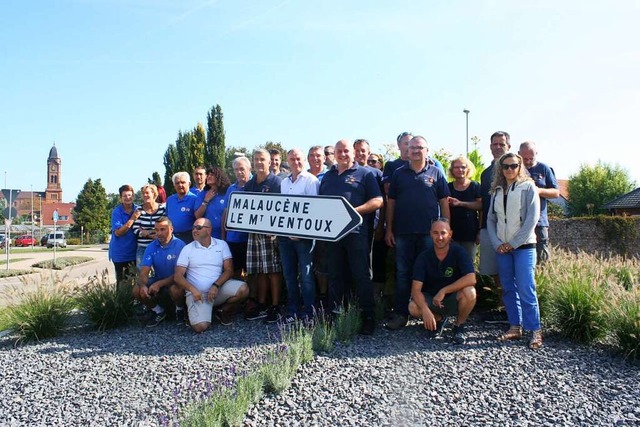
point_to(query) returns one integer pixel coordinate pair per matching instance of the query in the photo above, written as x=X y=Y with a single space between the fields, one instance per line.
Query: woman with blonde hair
x=464 y=203
x=511 y=222
x=145 y=220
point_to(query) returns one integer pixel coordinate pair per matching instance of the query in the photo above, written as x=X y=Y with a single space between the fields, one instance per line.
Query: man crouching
x=443 y=283
x=208 y=266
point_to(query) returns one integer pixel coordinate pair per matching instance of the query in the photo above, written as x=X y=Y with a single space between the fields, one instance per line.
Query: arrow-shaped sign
x=310 y=217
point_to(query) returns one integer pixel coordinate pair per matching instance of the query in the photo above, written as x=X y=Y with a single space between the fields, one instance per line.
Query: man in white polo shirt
x=208 y=283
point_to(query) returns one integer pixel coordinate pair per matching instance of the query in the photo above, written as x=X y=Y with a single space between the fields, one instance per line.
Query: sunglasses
x=512 y=166
x=372 y=161
x=328 y=153
x=200 y=227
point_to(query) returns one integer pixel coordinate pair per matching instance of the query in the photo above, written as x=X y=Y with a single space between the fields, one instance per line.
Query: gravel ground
x=137 y=376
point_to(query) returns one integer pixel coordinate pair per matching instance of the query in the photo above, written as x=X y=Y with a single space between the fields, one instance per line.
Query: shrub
x=73 y=241
x=626 y=326
x=323 y=336
x=107 y=306
x=348 y=323
x=41 y=314
x=578 y=310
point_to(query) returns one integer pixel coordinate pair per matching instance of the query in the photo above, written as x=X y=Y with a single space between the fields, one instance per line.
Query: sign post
x=309 y=217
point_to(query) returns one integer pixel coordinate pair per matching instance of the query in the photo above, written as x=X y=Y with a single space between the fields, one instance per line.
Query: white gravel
x=139 y=376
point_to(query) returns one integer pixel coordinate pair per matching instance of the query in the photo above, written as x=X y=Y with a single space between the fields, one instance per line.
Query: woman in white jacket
x=513 y=215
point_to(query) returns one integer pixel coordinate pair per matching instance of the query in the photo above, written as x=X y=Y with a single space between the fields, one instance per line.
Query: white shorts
x=488 y=263
x=200 y=311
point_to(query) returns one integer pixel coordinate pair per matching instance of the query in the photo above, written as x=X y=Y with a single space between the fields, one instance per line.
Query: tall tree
x=91 y=209
x=214 y=153
x=596 y=185
x=197 y=148
x=171 y=165
x=230 y=154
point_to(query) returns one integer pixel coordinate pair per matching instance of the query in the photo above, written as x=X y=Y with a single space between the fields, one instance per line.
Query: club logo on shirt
x=448 y=272
x=185 y=209
x=350 y=180
x=171 y=256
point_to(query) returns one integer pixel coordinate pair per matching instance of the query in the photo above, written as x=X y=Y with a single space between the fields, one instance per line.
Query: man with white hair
x=181 y=207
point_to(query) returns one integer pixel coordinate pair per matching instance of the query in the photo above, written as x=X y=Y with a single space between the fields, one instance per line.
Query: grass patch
x=626 y=326
x=13 y=273
x=41 y=314
x=63 y=262
x=577 y=309
x=4 y=261
x=107 y=306
x=348 y=323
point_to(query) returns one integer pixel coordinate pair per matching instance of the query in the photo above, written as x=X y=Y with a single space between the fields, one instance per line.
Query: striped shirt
x=147 y=221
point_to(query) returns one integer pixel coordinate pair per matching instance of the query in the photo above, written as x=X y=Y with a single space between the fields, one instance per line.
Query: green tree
x=596 y=185
x=214 y=150
x=91 y=209
x=476 y=158
x=171 y=164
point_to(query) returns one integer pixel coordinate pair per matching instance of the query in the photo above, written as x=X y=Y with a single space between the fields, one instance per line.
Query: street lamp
x=466 y=112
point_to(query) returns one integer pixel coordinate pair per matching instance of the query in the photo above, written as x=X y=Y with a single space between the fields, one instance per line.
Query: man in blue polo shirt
x=161 y=255
x=547 y=185
x=181 y=207
x=418 y=194
x=443 y=283
x=351 y=254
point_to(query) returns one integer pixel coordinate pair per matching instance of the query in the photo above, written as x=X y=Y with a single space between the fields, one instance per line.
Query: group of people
x=183 y=251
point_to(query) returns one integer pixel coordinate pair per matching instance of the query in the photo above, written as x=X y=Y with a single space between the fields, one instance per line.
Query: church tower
x=54 y=177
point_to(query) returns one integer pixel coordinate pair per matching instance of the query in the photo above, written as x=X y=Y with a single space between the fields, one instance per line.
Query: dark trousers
x=350 y=255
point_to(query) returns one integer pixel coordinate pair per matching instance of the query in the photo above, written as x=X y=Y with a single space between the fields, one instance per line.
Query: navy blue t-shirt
x=486 y=178
x=435 y=274
x=271 y=184
x=544 y=177
x=417 y=198
x=357 y=184
x=464 y=222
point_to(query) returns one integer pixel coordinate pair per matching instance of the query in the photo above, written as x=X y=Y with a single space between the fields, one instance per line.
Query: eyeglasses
x=463 y=167
x=200 y=227
x=413 y=147
x=512 y=166
x=328 y=153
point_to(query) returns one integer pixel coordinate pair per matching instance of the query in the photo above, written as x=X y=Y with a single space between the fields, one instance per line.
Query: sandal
x=536 y=340
x=514 y=333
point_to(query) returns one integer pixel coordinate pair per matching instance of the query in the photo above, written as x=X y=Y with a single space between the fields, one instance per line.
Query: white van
x=56 y=239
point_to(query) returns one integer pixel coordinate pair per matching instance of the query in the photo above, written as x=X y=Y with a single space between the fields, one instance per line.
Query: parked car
x=2 y=241
x=43 y=240
x=25 y=240
x=56 y=239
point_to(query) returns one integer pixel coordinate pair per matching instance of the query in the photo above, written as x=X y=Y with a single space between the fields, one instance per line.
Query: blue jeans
x=297 y=267
x=408 y=247
x=517 y=275
x=139 y=256
x=349 y=259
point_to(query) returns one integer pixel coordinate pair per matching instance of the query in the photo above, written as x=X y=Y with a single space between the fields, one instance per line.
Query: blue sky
x=113 y=81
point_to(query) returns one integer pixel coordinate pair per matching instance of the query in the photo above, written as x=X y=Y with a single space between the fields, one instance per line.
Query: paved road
x=75 y=275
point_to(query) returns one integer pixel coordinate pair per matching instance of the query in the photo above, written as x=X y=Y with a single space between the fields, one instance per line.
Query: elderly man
x=547 y=184
x=297 y=254
x=443 y=283
x=418 y=194
x=161 y=255
x=349 y=257
x=205 y=270
x=181 y=207
x=237 y=240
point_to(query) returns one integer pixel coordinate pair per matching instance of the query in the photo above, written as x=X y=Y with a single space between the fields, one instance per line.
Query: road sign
x=310 y=217
x=56 y=216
